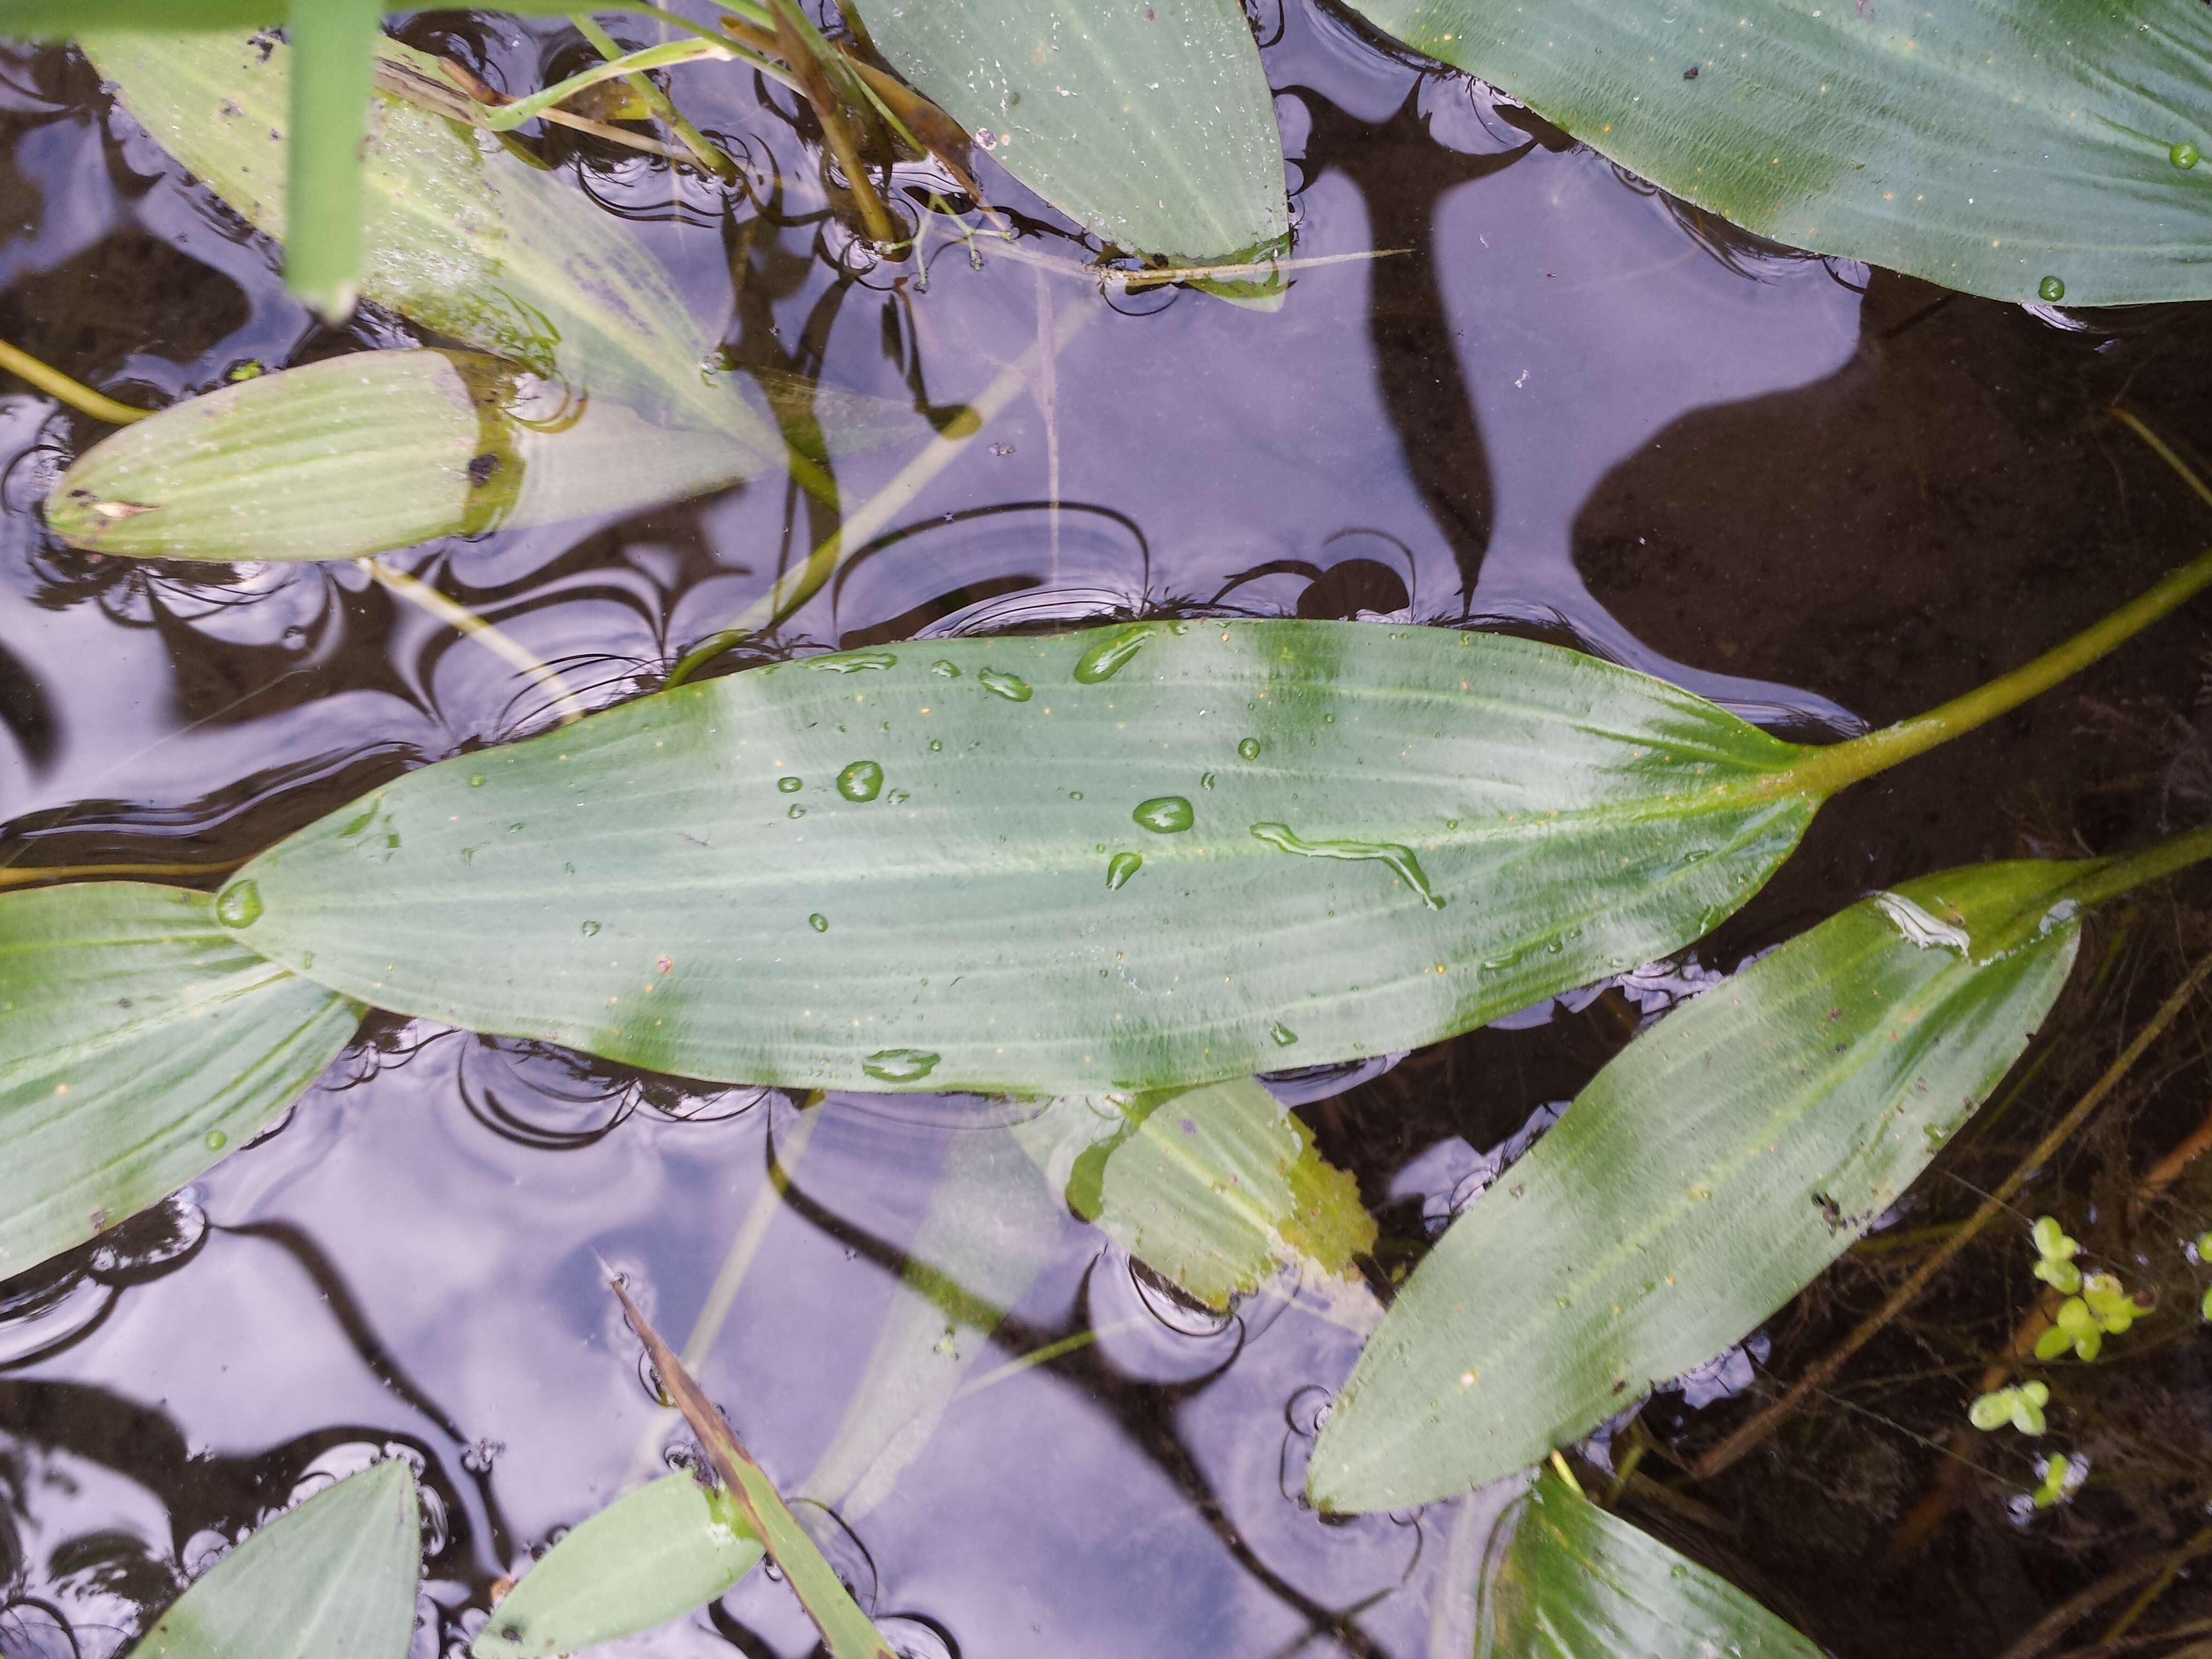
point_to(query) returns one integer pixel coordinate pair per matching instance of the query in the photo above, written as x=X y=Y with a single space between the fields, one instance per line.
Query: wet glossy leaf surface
x=332 y=1579
x=1986 y=145
x=648 y=1558
x=1710 y=1171
x=1564 y=1579
x=373 y=451
x=1151 y=125
x=1435 y=828
x=137 y=1046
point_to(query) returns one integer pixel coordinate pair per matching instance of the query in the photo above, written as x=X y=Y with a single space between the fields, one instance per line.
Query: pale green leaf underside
x=381 y=449
x=458 y=235
x=1711 y=1170
x=1983 y=144
x=1215 y=1189
x=1151 y=125
x=1565 y=1580
x=648 y=1558
x=640 y=885
x=138 y=1044
x=331 y=1579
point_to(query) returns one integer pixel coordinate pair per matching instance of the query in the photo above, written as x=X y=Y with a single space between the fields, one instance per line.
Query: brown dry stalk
x=836 y=131
x=2054 y=1624
x=1766 y=1421
x=1941 y=1497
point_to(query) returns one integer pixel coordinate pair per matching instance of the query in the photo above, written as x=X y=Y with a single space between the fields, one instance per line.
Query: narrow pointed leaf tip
x=845 y=1631
x=334 y=1578
x=897 y=868
x=1564 y=1579
x=1151 y=125
x=663 y=1550
x=374 y=451
x=1715 y=1167
x=1964 y=143
x=138 y=1047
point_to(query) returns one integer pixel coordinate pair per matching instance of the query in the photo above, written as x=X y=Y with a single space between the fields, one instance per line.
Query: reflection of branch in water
x=198 y=1491
x=493 y=639
x=1144 y=1411
x=795 y=587
x=347 y=1310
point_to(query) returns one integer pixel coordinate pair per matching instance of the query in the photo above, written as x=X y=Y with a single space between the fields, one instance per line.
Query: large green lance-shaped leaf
x=459 y=236
x=1149 y=125
x=380 y=449
x=138 y=1044
x=1713 y=1169
x=1216 y=1189
x=331 y=1579
x=1036 y=865
x=1564 y=1580
x=661 y=1552
x=1988 y=145
x=992 y=1226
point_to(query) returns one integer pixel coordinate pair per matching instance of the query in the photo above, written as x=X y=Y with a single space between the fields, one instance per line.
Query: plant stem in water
x=59 y=386
x=1824 y=771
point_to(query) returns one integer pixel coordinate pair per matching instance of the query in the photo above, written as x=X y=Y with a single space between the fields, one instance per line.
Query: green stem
x=622 y=66
x=659 y=102
x=58 y=386
x=2110 y=878
x=1824 y=771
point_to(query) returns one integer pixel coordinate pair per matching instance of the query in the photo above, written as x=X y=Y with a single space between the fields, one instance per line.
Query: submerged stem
x=795 y=587
x=660 y=103
x=490 y=635
x=1824 y=771
x=59 y=386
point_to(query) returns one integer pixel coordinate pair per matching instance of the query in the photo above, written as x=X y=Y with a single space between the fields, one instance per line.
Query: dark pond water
x=1564 y=404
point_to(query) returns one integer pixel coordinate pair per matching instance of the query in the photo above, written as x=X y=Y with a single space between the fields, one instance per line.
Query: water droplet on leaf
x=2184 y=154
x=899 y=1065
x=791 y=784
x=1012 y=686
x=240 y=905
x=1164 y=815
x=2051 y=290
x=1109 y=656
x=1122 y=866
x=1249 y=748
x=862 y=781
x=818 y=922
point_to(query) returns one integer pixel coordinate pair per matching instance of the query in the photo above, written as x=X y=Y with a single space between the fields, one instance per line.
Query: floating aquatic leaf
x=1715 y=1167
x=1563 y=818
x=1152 y=125
x=458 y=235
x=138 y=1044
x=845 y=1629
x=992 y=1226
x=381 y=449
x=1564 y=1579
x=647 y=1558
x=1215 y=1189
x=1575 y=817
x=2026 y=149
x=334 y=1579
